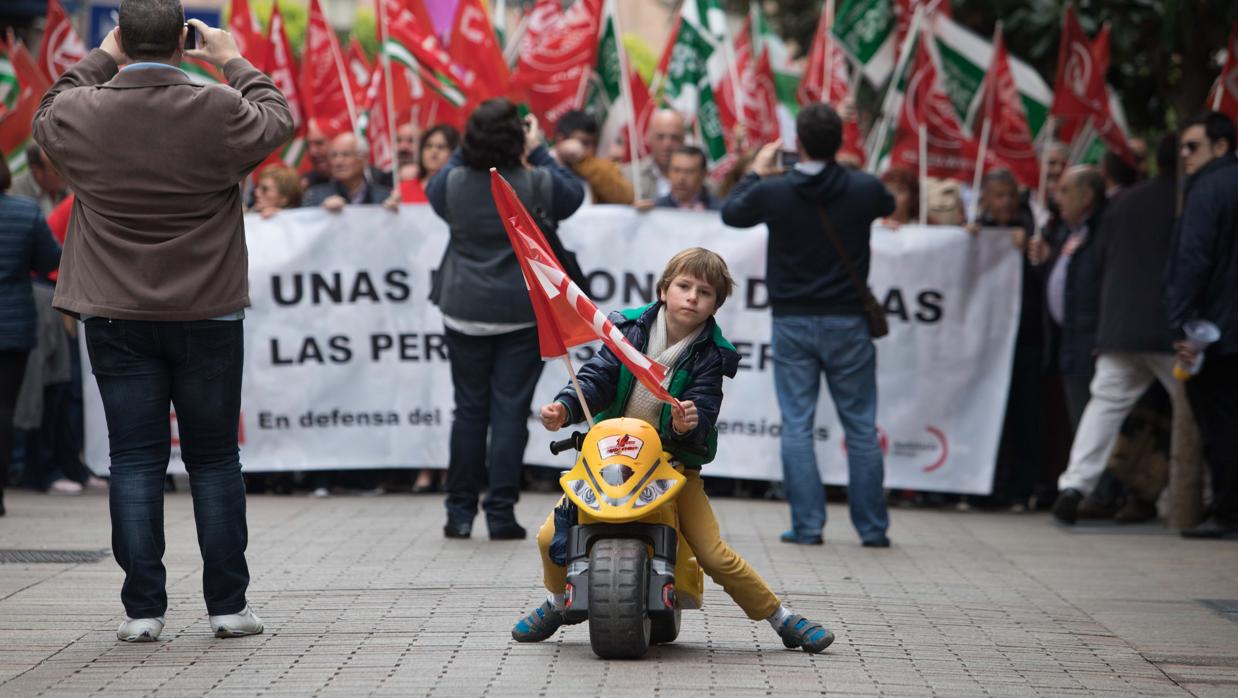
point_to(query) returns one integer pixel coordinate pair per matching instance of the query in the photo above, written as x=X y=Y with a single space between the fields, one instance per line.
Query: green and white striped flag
x=965 y=58
x=698 y=63
x=8 y=84
x=868 y=31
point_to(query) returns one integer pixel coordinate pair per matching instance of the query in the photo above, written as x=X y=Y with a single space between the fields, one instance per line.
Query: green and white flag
x=867 y=30
x=604 y=99
x=8 y=84
x=965 y=58
x=698 y=63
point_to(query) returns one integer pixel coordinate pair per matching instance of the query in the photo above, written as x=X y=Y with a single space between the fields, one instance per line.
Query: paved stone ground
x=363 y=595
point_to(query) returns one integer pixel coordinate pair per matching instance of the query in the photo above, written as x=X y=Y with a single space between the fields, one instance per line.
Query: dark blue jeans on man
x=493 y=377
x=142 y=369
x=838 y=346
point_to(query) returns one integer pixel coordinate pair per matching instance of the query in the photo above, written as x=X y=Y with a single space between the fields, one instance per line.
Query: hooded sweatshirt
x=803 y=272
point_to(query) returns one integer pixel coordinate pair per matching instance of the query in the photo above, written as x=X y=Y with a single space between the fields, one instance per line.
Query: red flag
x=760 y=98
x=474 y=46
x=904 y=10
x=642 y=108
x=1079 y=91
x=565 y=315
x=378 y=128
x=1010 y=138
x=951 y=152
x=280 y=66
x=359 y=70
x=27 y=71
x=324 y=77
x=61 y=47
x=15 y=126
x=415 y=46
x=247 y=33
x=554 y=69
x=827 y=59
x=1224 y=96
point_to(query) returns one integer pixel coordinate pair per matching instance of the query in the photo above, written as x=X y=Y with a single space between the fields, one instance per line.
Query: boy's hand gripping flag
x=565 y=315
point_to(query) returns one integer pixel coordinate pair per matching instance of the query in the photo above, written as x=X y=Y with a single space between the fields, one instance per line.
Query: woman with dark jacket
x=26 y=245
x=491 y=332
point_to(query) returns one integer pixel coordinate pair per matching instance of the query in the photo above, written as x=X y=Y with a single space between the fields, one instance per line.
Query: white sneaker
x=321 y=492
x=237 y=624
x=140 y=629
x=64 y=486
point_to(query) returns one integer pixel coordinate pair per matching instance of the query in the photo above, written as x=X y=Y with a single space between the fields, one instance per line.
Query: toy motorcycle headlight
x=655 y=489
x=582 y=490
x=616 y=474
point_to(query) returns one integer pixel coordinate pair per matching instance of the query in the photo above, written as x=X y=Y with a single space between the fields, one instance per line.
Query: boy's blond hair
x=706 y=265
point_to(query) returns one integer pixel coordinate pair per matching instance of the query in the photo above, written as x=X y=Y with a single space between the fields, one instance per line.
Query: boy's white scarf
x=642 y=404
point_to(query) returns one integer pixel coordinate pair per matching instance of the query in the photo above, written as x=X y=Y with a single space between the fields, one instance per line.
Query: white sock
x=556 y=600
x=779 y=617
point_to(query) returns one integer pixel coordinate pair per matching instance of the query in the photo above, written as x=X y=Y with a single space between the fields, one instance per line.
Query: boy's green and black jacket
x=697 y=376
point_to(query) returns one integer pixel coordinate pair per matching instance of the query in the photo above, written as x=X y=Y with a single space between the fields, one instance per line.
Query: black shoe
x=1213 y=528
x=881 y=542
x=508 y=531
x=457 y=530
x=1066 y=506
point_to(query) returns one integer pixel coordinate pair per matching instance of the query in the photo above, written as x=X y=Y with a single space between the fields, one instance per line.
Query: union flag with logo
x=62 y=47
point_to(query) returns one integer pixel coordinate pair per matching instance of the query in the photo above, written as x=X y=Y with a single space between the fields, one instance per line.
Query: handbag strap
x=832 y=234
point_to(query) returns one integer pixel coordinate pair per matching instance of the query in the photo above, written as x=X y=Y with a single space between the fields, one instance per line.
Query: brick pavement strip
x=364 y=596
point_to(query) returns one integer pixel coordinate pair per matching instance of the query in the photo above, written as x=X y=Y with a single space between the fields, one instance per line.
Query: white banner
x=345 y=365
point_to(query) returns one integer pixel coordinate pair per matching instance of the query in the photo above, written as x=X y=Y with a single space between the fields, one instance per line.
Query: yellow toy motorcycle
x=630 y=572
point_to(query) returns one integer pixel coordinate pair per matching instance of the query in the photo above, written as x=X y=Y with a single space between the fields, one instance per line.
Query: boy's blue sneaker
x=793 y=537
x=538 y=625
x=798 y=631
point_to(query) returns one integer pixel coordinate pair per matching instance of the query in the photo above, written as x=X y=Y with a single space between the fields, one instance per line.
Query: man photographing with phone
x=155 y=264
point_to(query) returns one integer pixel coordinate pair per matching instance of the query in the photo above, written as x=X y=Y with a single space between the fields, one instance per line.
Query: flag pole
x=827 y=80
x=974 y=209
x=1220 y=89
x=1042 y=194
x=923 y=174
x=625 y=93
x=390 y=106
x=580 y=394
x=878 y=135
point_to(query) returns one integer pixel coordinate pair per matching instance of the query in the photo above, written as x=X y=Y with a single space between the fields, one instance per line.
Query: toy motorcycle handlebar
x=575 y=441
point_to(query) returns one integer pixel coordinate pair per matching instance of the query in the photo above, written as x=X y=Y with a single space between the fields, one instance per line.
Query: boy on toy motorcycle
x=679 y=332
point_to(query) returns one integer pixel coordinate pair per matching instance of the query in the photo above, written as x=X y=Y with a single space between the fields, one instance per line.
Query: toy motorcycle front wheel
x=619 y=625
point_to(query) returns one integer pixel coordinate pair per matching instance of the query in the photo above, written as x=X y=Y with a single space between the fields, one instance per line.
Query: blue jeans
x=805 y=346
x=493 y=378
x=142 y=368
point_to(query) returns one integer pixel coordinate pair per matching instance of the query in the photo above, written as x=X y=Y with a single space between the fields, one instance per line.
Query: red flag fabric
x=826 y=58
x=377 y=112
x=565 y=315
x=950 y=151
x=1224 y=97
x=904 y=10
x=1010 y=138
x=414 y=44
x=474 y=46
x=281 y=68
x=642 y=108
x=760 y=98
x=28 y=72
x=1079 y=92
x=324 y=77
x=556 y=62
x=359 y=70
x=247 y=32
x=61 y=47
x=15 y=125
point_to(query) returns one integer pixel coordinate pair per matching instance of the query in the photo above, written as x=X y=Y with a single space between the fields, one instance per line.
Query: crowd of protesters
x=1100 y=241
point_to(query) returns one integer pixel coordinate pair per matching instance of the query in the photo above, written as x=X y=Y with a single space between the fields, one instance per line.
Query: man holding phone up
x=155 y=264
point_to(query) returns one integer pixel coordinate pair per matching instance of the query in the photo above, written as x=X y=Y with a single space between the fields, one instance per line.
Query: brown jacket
x=154 y=159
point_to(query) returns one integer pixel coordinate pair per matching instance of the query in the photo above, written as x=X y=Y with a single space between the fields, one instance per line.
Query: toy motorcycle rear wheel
x=619 y=626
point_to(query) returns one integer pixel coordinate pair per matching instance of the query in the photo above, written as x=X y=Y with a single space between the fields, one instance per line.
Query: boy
x=678 y=331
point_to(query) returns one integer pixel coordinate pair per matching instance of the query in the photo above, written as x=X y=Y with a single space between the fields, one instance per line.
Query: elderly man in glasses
x=1203 y=284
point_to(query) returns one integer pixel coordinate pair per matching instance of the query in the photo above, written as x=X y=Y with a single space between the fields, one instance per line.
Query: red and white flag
x=281 y=68
x=61 y=47
x=474 y=46
x=247 y=33
x=642 y=108
x=565 y=315
x=556 y=61
x=950 y=152
x=1224 y=96
x=324 y=77
x=1079 y=92
x=827 y=78
x=1010 y=138
x=759 y=99
x=359 y=70
x=27 y=70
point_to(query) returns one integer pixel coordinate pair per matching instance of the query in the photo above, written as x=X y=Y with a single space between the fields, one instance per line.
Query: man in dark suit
x=157 y=268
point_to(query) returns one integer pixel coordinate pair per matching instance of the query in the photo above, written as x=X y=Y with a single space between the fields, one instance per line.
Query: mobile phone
x=788 y=158
x=191 y=37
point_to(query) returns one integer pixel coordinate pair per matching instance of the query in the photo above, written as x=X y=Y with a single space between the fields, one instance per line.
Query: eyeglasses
x=1190 y=147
